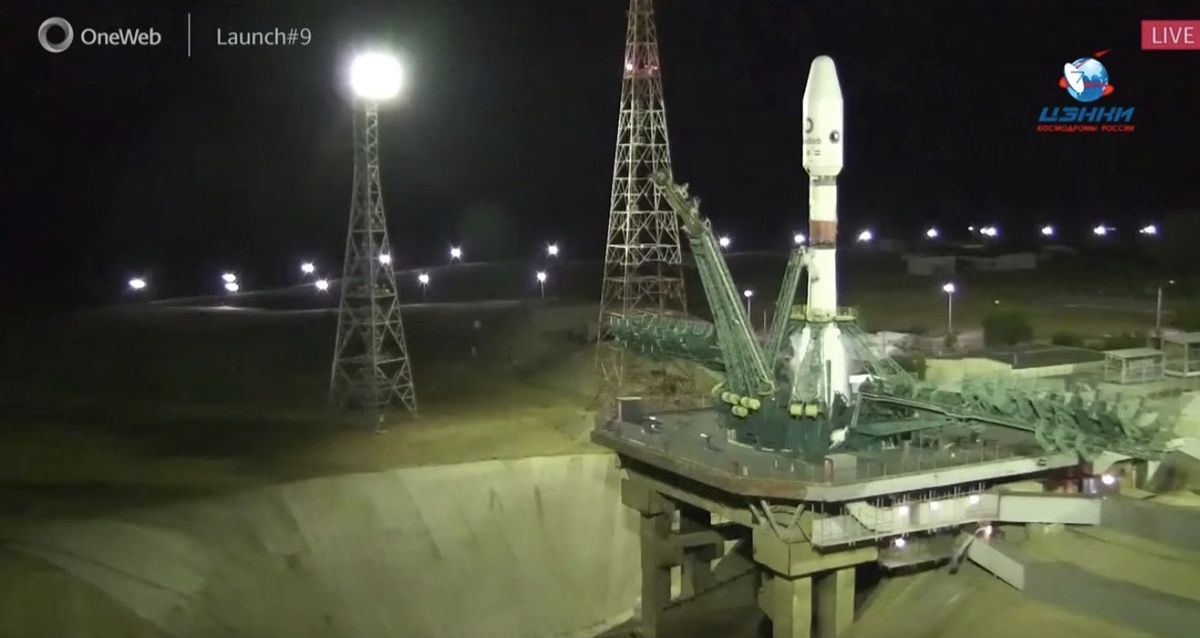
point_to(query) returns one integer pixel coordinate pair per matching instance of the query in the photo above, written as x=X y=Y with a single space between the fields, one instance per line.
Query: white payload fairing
x=823 y=142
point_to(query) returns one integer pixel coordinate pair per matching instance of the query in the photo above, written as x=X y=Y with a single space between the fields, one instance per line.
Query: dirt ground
x=105 y=411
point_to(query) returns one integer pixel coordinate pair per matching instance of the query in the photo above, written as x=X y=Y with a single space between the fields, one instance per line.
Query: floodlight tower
x=643 y=259
x=371 y=368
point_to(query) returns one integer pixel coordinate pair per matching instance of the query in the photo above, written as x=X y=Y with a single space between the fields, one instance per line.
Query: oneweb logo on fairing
x=1086 y=80
x=56 y=35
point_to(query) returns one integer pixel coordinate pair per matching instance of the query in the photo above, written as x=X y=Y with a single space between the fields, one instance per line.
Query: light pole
x=1158 y=309
x=749 y=295
x=949 y=289
x=371 y=370
x=541 y=279
x=423 y=279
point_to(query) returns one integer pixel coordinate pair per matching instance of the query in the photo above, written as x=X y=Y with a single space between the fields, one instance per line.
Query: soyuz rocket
x=823 y=143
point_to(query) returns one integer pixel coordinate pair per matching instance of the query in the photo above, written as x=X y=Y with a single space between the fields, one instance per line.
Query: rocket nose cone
x=822 y=79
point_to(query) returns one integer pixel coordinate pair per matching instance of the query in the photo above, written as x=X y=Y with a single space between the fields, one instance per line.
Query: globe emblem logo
x=1086 y=79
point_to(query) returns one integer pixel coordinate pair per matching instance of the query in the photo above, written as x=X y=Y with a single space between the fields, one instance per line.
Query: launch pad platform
x=756 y=533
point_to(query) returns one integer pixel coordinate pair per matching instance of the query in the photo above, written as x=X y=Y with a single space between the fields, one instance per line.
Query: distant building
x=930 y=265
x=998 y=263
x=944 y=265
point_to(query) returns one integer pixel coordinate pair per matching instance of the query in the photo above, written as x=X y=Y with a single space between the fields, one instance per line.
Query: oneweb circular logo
x=45 y=34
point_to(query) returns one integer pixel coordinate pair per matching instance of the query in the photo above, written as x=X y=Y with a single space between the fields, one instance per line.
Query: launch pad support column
x=656 y=570
x=789 y=564
x=788 y=603
x=835 y=603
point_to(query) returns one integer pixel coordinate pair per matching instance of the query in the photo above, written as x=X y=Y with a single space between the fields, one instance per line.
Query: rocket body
x=823 y=156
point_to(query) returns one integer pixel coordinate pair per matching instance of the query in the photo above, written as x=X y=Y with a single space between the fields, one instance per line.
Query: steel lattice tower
x=371 y=369
x=643 y=260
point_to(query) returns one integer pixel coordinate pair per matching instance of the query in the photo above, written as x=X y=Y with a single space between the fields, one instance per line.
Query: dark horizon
x=123 y=160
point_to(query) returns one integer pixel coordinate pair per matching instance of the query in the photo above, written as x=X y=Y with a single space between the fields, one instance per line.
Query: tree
x=1006 y=327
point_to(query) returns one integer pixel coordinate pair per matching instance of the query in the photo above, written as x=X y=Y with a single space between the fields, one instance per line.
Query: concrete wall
x=523 y=548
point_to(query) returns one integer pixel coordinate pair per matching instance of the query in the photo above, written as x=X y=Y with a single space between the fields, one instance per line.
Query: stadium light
x=231 y=286
x=456 y=253
x=989 y=231
x=724 y=241
x=865 y=236
x=1148 y=229
x=137 y=283
x=376 y=76
x=308 y=268
x=1100 y=231
x=322 y=285
x=749 y=295
x=799 y=239
x=423 y=279
x=552 y=250
x=949 y=288
x=932 y=233
x=1047 y=231
x=541 y=279
x=899 y=542
x=229 y=278
x=385 y=258
x=1108 y=479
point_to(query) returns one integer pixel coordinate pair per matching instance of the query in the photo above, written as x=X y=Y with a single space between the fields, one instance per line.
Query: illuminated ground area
x=177 y=474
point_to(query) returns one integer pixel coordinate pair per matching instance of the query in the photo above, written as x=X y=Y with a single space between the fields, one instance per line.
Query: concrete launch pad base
x=719 y=545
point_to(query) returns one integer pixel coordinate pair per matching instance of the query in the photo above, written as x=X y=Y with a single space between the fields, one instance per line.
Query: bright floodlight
x=799 y=239
x=949 y=288
x=747 y=293
x=899 y=542
x=902 y=510
x=541 y=276
x=137 y=283
x=866 y=236
x=724 y=241
x=455 y=253
x=231 y=286
x=989 y=231
x=423 y=279
x=970 y=229
x=1149 y=229
x=1100 y=230
x=932 y=233
x=552 y=250
x=376 y=76
x=385 y=259
x=228 y=278
x=1108 y=479
x=308 y=268
x=322 y=284
x=1047 y=231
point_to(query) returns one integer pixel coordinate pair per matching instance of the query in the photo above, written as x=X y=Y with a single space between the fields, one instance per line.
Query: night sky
x=129 y=160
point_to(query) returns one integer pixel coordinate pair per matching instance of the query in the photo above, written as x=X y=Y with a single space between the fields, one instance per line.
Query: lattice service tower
x=643 y=259
x=371 y=368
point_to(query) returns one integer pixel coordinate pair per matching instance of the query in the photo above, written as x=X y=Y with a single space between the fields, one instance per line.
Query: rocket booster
x=823 y=161
x=823 y=142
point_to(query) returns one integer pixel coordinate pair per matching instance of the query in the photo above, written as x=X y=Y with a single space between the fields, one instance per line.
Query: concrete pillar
x=788 y=603
x=835 y=602
x=696 y=566
x=656 y=571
